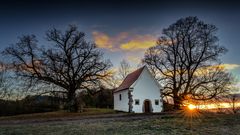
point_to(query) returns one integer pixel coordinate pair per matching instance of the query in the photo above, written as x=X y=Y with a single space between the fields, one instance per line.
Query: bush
x=101 y=99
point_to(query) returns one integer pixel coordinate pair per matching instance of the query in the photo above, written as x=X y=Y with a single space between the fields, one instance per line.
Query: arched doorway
x=147 y=106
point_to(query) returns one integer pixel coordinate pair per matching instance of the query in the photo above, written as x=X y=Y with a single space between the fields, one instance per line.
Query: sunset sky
x=124 y=30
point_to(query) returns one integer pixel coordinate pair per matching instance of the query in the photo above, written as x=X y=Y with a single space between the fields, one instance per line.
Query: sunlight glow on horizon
x=213 y=106
x=218 y=105
x=191 y=106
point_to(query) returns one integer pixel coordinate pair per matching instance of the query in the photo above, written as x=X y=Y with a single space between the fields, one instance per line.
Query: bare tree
x=234 y=102
x=187 y=58
x=112 y=81
x=116 y=76
x=124 y=69
x=68 y=62
x=4 y=85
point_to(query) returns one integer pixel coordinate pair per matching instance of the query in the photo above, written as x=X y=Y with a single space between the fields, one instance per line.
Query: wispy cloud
x=230 y=66
x=206 y=70
x=134 y=59
x=98 y=26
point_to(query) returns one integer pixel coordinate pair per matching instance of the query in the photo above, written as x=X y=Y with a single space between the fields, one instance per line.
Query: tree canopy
x=187 y=59
x=68 y=61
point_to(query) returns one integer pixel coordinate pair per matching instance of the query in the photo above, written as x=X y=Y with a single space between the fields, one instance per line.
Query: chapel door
x=147 y=106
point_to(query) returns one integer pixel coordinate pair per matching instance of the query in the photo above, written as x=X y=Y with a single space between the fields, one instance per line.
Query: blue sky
x=123 y=29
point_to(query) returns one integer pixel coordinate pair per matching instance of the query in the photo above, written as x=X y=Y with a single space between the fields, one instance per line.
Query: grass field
x=159 y=124
x=59 y=114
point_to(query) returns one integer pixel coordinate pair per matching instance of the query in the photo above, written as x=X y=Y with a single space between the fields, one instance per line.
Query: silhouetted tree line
x=30 y=104
x=42 y=103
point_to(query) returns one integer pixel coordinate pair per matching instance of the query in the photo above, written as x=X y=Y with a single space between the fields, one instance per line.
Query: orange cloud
x=124 y=41
x=111 y=43
x=139 y=42
x=102 y=40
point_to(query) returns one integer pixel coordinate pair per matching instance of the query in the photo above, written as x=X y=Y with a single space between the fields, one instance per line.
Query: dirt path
x=84 y=119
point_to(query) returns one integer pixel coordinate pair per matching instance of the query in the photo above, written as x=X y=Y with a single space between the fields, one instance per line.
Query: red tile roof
x=130 y=79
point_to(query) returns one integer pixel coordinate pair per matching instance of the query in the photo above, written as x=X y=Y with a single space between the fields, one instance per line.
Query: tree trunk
x=177 y=102
x=72 y=104
x=234 y=109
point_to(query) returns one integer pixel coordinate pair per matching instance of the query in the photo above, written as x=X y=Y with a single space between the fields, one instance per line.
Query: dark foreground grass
x=204 y=124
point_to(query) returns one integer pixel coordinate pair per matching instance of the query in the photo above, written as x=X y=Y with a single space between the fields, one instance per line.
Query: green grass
x=207 y=124
x=59 y=114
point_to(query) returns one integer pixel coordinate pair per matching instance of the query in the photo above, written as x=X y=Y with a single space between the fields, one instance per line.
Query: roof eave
x=120 y=90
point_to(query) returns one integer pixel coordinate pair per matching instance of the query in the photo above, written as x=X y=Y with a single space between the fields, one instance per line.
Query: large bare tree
x=68 y=61
x=187 y=59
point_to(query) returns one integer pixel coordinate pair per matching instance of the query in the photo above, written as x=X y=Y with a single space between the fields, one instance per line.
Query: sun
x=191 y=106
